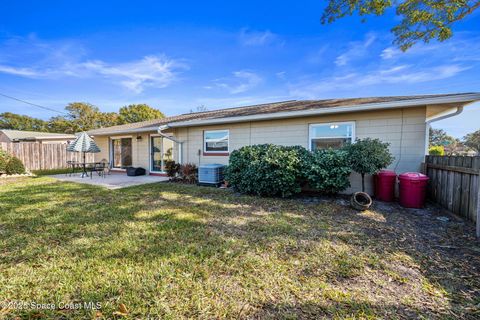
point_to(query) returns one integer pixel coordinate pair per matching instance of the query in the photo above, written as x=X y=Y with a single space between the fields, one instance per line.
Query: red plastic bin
x=385 y=185
x=412 y=189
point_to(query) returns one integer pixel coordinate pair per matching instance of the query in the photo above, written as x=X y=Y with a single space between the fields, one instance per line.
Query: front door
x=161 y=151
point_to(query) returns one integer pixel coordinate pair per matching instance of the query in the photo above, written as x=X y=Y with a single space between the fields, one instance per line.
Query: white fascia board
x=467 y=98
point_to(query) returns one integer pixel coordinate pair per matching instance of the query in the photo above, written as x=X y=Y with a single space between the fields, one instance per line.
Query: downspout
x=433 y=119
x=180 y=154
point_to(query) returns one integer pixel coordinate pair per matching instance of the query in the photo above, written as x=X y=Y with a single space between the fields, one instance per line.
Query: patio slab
x=111 y=181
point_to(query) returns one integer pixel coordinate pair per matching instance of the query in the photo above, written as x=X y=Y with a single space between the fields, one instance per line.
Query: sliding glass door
x=122 y=152
x=161 y=151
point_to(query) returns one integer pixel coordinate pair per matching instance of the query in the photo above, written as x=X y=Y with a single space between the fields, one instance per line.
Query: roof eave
x=467 y=98
x=125 y=131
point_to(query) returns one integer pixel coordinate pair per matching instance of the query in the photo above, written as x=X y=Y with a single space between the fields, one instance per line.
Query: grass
x=177 y=251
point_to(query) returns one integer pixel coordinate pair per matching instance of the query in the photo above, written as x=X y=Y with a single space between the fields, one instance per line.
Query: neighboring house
x=33 y=136
x=209 y=137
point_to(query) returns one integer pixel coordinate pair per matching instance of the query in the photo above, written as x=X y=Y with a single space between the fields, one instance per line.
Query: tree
x=438 y=137
x=138 y=112
x=472 y=140
x=421 y=20
x=368 y=156
x=14 y=121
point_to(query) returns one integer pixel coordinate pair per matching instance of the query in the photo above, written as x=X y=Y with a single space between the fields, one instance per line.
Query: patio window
x=216 y=141
x=122 y=152
x=331 y=135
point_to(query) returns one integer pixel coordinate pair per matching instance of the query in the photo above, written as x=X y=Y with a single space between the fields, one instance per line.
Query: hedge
x=272 y=170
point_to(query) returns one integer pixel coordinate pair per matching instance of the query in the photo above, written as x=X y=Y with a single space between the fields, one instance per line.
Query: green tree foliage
x=438 y=137
x=14 y=121
x=472 y=140
x=421 y=20
x=328 y=171
x=81 y=116
x=138 y=112
x=436 y=151
x=368 y=156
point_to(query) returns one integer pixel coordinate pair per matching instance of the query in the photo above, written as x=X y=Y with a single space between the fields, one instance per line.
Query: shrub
x=328 y=171
x=368 y=156
x=172 y=168
x=14 y=166
x=189 y=173
x=436 y=151
x=266 y=170
x=4 y=157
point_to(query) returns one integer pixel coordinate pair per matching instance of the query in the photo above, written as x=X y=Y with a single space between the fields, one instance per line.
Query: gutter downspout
x=434 y=119
x=180 y=153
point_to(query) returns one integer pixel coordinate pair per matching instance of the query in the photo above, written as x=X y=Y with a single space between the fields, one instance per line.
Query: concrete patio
x=115 y=180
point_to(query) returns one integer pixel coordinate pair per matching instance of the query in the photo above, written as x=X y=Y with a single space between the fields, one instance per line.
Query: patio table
x=86 y=167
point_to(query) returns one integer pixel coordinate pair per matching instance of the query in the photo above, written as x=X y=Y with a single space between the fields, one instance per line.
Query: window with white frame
x=216 y=141
x=331 y=135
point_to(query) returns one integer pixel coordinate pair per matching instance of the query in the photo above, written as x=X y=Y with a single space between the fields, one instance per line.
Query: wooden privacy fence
x=455 y=184
x=38 y=156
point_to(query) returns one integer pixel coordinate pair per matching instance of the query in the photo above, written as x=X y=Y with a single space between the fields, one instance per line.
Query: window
x=122 y=152
x=331 y=135
x=216 y=141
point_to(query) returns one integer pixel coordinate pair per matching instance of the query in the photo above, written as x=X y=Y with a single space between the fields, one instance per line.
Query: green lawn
x=172 y=251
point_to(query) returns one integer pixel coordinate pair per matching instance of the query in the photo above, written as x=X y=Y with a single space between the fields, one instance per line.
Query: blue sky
x=177 y=56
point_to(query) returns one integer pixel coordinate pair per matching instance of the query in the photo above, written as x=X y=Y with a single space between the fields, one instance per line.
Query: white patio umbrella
x=83 y=143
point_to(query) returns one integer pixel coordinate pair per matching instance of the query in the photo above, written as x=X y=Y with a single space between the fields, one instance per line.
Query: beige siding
x=404 y=129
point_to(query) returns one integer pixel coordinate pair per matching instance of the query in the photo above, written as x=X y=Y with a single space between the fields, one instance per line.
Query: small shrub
x=189 y=173
x=436 y=151
x=328 y=171
x=172 y=168
x=14 y=166
x=266 y=170
x=4 y=157
x=368 y=156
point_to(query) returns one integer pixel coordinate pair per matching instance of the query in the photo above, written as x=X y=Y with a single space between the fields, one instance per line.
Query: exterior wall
x=404 y=129
x=140 y=149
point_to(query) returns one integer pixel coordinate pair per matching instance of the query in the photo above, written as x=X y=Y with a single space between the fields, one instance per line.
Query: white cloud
x=256 y=38
x=402 y=74
x=151 y=71
x=357 y=49
x=240 y=82
x=59 y=60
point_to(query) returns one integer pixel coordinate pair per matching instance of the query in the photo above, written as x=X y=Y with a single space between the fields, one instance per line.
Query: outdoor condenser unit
x=211 y=174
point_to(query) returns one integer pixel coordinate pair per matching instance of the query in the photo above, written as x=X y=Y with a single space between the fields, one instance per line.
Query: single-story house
x=7 y=135
x=210 y=136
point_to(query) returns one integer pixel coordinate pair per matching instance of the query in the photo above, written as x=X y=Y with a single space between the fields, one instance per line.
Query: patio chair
x=107 y=166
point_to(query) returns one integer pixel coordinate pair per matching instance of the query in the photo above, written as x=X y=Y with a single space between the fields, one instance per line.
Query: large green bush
x=368 y=156
x=271 y=170
x=266 y=170
x=328 y=171
x=14 y=166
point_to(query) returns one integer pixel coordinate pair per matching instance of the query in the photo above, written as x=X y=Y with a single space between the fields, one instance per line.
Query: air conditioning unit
x=211 y=174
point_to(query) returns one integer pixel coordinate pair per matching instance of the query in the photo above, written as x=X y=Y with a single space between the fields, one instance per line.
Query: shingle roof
x=268 y=108
x=34 y=135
